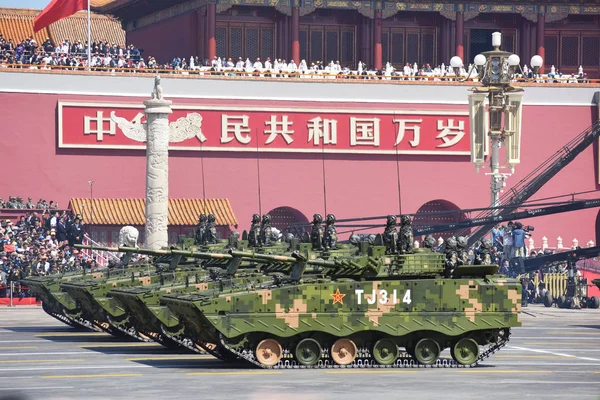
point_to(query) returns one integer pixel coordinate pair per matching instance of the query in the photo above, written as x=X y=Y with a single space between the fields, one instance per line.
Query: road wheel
x=561 y=302
x=548 y=300
x=385 y=351
x=465 y=351
x=308 y=351
x=427 y=351
x=268 y=352
x=594 y=302
x=343 y=351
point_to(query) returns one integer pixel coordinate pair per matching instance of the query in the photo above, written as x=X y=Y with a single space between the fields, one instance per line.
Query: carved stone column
x=460 y=36
x=377 y=50
x=540 y=30
x=157 y=172
x=211 y=34
x=296 y=34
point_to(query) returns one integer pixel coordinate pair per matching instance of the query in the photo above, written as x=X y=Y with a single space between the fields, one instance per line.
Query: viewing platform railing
x=348 y=76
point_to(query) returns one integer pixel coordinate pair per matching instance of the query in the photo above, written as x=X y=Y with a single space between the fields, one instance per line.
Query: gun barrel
x=198 y=254
x=259 y=256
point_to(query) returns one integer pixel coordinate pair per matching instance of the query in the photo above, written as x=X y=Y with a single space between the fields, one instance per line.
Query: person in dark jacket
x=77 y=232
x=61 y=231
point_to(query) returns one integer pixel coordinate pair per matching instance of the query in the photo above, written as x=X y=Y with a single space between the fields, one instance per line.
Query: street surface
x=556 y=354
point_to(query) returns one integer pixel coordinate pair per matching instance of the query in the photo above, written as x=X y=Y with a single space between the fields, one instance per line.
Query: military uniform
x=254 y=234
x=405 y=242
x=265 y=230
x=462 y=250
x=483 y=255
x=29 y=204
x=330 y=236
x=211 y=230
x=200 y=230
x=317 y=232
x=451 y=255
x=390 y=235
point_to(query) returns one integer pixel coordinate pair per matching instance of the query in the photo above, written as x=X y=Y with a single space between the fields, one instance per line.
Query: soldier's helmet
x=391 y=220
x=330 y=218
x=317 y=219
x=405 y=220
x=354 y=238
x=202 y=218
x=486 y=244
x=19 y=198
x=288 y=237
x=29 y=198
x=255 y=218
x=266 y=218
x=461 y=241
x=211 y=218
x=429 y=242
x=451 y=243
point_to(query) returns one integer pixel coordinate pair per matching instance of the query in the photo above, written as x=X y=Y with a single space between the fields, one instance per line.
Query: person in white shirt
x=268 y=65
x=240 y=64
x=292 y=67
x=258 y=64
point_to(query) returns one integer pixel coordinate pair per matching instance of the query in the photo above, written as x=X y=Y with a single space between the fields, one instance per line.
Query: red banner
x=302 y=130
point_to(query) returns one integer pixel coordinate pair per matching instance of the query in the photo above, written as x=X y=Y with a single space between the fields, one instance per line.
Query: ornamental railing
x=344 y=76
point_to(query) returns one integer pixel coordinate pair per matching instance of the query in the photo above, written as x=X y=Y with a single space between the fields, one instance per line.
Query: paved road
x=556 y=354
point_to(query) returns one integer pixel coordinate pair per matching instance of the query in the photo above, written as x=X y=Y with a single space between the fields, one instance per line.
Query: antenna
x=324 y=179
x=258 y=172
x=398 y=178
x=203 y=184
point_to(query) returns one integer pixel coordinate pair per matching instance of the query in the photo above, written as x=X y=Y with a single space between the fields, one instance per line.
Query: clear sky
x=24 y=3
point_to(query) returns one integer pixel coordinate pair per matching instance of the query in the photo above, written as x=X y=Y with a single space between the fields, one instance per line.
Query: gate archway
x=286 y=219
x=447 y=213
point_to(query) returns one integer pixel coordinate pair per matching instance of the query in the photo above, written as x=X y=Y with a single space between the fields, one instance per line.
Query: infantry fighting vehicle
x=575 y=293
x=54 y=302
x=358 y=312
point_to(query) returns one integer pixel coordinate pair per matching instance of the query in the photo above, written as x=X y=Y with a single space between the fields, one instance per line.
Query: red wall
x=164 y=40
x=357 y=185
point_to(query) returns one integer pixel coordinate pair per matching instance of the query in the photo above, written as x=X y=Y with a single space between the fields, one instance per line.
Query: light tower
x=501 y=119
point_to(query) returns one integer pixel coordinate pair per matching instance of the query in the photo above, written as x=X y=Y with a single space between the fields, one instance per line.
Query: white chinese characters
x=423 y=133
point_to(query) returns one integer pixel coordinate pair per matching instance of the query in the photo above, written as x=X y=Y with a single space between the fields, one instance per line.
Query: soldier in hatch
x=254 y=234
x=317 y=234
x=200 y=230
x=405 y=241
x=451 y=252
x=483 y=255
x=462 y=250
x=265 y=231
x=330 y=237
x=390 y=235
x=210 y=235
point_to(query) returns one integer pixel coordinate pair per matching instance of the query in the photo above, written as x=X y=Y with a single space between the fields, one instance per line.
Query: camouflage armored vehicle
x=54 y=302
x=151 y=319
x=371 y=310
x=93 y=304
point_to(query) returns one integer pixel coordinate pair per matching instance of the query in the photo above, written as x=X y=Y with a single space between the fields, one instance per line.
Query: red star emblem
x=338 y=297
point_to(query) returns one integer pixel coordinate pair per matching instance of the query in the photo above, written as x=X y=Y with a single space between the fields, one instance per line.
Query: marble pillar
x=157 y=171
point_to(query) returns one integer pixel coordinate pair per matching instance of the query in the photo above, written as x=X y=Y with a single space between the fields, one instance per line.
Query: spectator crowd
x=39 y=245
x=106 y=56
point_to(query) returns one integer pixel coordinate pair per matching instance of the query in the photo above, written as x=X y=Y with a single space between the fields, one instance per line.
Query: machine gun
x=372 y=264
x=539 y=211
x=576 y=292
